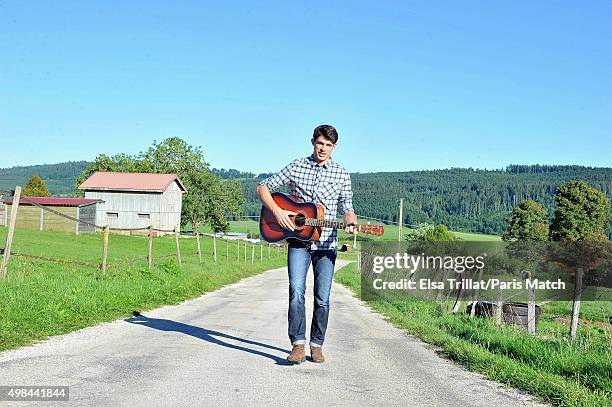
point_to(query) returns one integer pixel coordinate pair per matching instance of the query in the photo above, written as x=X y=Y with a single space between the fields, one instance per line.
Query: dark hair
x=327 y=131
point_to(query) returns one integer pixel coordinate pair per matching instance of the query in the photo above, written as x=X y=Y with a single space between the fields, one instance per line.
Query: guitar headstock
x=375 y=230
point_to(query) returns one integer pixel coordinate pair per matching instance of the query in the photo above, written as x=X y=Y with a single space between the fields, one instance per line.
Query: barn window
x=112 y=215
x=144 y=216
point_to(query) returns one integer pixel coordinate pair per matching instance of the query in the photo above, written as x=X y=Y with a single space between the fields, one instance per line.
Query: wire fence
x=242 y=245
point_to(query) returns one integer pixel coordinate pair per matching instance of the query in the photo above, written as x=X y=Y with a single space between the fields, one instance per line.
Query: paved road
x=228 y=348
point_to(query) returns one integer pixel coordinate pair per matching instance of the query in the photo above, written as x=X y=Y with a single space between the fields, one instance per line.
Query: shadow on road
x=207 y=335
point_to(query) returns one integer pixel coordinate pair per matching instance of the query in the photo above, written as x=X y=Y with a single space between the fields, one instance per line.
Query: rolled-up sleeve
x=277 y=180
x=346 y=196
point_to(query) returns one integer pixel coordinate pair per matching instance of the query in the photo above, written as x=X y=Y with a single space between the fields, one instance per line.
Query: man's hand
x=350 y=220
x=351 y=228
x=283 y=219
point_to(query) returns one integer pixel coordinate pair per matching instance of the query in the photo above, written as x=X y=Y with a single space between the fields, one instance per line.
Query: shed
x=30 y=216
x=136 y=200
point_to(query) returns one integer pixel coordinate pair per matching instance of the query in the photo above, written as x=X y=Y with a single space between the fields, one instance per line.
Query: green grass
x=476 y=237
x=40 y=298
x=238 y=226
x=546 y=365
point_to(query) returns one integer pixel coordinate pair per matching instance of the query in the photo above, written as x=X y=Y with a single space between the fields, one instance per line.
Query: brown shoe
x=298 y=354
x=316 y=353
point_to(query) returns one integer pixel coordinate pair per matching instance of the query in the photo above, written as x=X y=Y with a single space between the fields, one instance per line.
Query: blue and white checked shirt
x=327 y=184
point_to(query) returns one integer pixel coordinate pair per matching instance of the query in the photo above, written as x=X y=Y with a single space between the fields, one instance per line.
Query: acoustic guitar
x=308 y=221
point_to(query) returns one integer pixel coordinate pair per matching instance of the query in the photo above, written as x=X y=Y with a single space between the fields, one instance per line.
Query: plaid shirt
x=327 y=184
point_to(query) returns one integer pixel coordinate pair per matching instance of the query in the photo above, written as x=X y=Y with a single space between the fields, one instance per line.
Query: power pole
x=400 y=220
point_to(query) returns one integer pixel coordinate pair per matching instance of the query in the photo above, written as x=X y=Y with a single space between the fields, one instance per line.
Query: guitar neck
x=330 y=224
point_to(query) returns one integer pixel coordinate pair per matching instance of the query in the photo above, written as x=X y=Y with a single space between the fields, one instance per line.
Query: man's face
x=322 y=148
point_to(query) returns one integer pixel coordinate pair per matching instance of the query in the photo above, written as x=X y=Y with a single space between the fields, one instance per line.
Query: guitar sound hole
x=300 y=220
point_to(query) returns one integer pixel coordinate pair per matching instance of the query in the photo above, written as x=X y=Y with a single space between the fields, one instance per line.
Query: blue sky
x=409 y=85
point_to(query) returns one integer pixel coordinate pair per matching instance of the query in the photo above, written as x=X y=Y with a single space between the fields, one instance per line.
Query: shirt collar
x=328 y=164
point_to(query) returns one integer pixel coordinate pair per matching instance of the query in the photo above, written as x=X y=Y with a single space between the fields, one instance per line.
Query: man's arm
x=346 y=203
x=263 y=192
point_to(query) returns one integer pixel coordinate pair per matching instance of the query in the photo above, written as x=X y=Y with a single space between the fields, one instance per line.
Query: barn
x=30 y=216
x=136 y=200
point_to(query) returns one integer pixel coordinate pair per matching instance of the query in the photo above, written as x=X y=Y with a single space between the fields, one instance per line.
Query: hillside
x=464 y=199
x=58 y=177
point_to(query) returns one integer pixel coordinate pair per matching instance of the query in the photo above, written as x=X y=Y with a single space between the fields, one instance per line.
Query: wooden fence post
x=11 y=230
x=499 y=304
x=215 y=246
x=531 y=307
x=252 y=252
x=576 y=306
x=400 y=221
x=178 y=248
x=245 y=251
x=105 y=250
x=150 y=255
x=238 y=250
x=198 y=243
x=261 y=251
x=475 y=295
x=459 y=296
x=269 y=256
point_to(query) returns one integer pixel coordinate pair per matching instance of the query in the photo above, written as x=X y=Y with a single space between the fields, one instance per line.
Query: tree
x=210 y=200
x=582 y=213
x=429 y=233
x=439 y=233
x=527 y=223
x=36 y=187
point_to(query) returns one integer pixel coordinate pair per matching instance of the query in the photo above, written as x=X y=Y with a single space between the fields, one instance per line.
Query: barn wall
x=127 y=205
x=58 y=223
x=87 y=214
x=171 y=204
x=28 y=217
x=3 y=214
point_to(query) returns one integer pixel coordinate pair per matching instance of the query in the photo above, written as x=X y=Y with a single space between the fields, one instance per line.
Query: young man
x=321 y=180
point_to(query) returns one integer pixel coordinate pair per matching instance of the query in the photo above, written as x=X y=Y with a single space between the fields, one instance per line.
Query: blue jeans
x=298 y=261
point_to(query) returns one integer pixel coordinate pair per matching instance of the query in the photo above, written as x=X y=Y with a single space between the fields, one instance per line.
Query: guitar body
x=272 y=232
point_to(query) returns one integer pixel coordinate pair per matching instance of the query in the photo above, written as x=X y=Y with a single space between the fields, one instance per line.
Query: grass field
x=546 y=365
x=40 y=298
x=239 y=226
